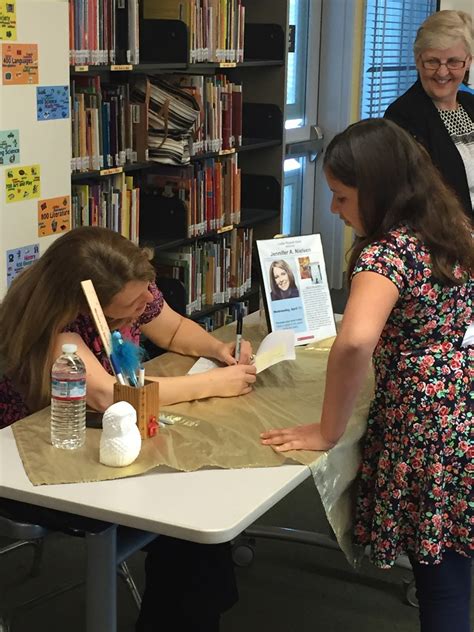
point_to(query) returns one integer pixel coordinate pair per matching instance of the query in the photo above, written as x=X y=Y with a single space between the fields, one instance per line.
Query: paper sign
x=20 y=258
x=9 y=147
x=52 y=102
x=296 y=292
x=19 y=64
x=22 y=183
x=8 y=20
x=54 y=216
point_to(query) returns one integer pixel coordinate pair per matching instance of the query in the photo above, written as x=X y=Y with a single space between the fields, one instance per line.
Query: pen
x=117 y=369
x=238 y=338
x=141 y=376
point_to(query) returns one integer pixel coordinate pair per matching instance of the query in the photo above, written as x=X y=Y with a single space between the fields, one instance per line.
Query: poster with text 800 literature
x=295 y=287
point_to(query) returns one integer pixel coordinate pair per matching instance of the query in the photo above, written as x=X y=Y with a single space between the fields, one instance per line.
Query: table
x=207 y=506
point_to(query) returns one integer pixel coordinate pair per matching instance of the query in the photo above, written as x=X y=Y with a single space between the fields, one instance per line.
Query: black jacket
x=416 y=112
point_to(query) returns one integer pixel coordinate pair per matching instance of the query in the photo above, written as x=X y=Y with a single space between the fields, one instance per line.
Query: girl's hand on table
x=230 y=381
x=306 y=437
x=226 y=353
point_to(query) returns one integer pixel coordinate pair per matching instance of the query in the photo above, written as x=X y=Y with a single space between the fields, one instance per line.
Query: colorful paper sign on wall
x=22 y=183
x=8 y=20
x=54 y=216
x=52 y=102
x=19 y=64
x=9 y=147
x=20 y=258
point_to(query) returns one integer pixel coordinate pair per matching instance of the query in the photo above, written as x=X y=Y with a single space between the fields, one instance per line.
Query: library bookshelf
x=124 y=188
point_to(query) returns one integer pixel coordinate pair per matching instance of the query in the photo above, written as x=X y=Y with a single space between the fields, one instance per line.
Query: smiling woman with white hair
x=433 y=110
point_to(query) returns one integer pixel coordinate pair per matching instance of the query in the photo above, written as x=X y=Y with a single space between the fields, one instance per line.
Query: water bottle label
x=68 y=389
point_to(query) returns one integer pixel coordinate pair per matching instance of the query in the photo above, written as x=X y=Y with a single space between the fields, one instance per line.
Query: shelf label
x=110 y=172
x=227 y=64
x=121 y=67
x=81 y=68
x=225 y=152
x=225 y=229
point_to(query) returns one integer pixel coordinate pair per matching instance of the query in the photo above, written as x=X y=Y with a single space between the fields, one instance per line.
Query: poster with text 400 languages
x=20 y=64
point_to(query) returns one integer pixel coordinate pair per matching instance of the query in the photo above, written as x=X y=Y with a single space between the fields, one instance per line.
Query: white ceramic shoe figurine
x=120 y=441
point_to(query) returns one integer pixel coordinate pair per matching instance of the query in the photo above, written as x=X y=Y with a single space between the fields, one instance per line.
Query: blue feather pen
x=127 y=356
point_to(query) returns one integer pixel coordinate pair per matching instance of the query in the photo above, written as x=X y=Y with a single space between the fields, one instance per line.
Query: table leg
x=101 y=581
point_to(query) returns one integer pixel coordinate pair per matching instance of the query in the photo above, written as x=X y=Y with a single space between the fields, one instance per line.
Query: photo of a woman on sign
x=282 y=281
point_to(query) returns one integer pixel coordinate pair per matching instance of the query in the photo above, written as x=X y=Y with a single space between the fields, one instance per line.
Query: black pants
x=188 y=585
x=443 y=591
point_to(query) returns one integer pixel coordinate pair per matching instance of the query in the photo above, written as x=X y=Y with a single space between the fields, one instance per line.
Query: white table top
x=208 y=506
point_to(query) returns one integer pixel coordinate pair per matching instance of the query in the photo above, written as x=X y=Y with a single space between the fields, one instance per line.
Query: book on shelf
x=215 y=27
x=104 y=32
x=212 y=272
x=108 y=128
x=208 y=191
x=111 y=203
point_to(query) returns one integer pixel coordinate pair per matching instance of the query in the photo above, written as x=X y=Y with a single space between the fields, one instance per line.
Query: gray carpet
x=288 y=587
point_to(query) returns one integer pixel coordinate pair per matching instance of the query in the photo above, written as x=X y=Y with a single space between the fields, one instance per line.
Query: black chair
x=29 y=534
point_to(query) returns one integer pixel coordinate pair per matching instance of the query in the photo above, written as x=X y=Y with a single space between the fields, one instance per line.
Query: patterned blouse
x=12 y=406
x=416 y=478
x=461 y=129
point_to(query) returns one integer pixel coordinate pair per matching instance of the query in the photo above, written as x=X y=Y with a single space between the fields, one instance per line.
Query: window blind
x=388 y=62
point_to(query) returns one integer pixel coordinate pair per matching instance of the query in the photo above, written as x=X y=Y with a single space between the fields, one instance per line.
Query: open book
x=274 y=348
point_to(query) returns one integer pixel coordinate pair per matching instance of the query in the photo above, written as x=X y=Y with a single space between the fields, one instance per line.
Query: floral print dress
x=12 y=406
x=415 y=486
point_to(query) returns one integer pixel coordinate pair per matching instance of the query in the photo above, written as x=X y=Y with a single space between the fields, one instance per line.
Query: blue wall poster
x=52 y=102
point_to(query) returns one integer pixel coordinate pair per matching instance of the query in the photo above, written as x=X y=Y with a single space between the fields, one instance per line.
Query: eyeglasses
x=451 y=64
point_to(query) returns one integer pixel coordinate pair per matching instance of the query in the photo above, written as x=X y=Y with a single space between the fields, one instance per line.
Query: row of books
x=210 y=192
x=104 y=32
x=220 y=112
x=212 y=272
x=108 y=128
x=215 y=27
x=111 y=203
x=223 y=316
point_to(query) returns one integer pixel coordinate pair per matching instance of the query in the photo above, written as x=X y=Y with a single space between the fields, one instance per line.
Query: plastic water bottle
x=68 y=400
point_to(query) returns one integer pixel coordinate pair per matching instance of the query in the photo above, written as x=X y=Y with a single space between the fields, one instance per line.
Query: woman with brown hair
x=282 y=281
x=409 y=307
x=45 y=308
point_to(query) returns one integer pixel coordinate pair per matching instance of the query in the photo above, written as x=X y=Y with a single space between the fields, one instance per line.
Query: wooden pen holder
x=145 y=400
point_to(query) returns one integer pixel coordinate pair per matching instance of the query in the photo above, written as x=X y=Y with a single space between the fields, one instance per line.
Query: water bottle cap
x=69 y=348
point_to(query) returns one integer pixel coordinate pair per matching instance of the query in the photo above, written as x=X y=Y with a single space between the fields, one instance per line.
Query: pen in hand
x=238 y=338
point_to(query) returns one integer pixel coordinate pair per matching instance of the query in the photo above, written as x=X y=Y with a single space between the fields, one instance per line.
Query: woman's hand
x=230 y=381
x=306 y=437
x=226 y=350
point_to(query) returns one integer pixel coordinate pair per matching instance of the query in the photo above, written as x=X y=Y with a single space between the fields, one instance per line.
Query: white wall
x=461 y=5
x=47 y=143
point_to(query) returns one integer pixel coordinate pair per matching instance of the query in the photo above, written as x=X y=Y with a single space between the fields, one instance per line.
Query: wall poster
x=22 y=183
x=54 y=216
x=20 y=64
x=20 y=258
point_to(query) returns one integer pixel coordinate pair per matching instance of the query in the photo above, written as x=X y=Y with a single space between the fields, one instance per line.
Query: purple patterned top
x=12 y=406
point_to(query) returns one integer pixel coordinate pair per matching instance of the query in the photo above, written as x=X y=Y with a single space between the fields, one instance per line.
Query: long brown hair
x=47 y=296
x=398 y=184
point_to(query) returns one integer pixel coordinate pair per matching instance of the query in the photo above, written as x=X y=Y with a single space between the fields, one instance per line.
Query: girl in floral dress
x=409 y=307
